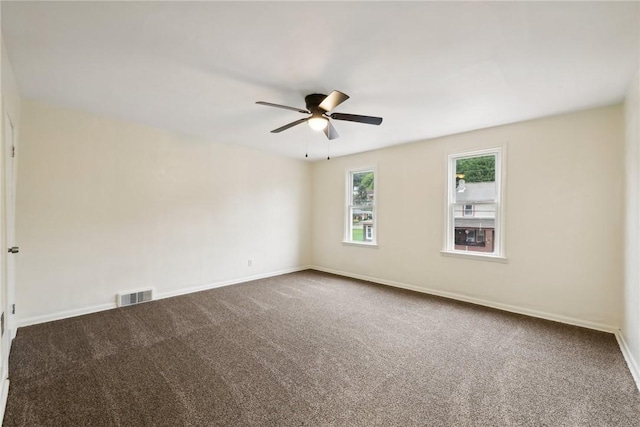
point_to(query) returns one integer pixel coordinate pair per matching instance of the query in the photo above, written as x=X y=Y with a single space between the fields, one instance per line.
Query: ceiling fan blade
x=332 y=100
x=269 y=104
x=370 y=120
x=330 y=131
x=290 y=125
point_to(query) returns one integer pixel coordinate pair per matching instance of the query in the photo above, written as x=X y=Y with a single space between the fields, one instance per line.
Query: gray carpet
x=315 y=349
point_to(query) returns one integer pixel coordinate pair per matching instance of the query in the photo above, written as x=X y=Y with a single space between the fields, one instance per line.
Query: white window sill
x=477 y=256
x=367 y=245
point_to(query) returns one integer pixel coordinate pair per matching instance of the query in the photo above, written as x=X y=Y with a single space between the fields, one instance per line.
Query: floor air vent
x=134 y=298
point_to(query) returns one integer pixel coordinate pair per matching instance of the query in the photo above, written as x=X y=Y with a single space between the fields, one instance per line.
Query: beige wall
x=10 y=93
x=631 y=323
x=564 y=227
x=106 y=206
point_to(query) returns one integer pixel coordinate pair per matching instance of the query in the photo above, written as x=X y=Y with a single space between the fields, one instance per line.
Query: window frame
x=499 y=224
x=349 y=206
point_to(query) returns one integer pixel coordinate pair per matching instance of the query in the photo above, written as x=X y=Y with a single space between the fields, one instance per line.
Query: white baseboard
x=633 y=366
x=64 y=314
x=631 y=362
x=190 y=290
x=108 y=306
x=4 y=394
x=479 y=301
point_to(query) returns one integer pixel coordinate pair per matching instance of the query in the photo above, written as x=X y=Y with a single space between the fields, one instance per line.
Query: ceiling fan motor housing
x=313 y=103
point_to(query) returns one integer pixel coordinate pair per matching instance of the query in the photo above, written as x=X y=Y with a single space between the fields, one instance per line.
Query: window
x=361 y=206
x=368 y=232
x=475 y=200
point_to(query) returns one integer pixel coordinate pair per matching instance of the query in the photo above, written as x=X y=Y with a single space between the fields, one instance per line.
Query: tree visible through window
x=361 y=206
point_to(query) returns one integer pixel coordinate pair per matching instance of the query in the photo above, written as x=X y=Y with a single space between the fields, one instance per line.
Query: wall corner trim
x=628 y=357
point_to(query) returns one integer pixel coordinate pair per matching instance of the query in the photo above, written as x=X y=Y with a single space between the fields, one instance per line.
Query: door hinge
x=13 y=309
x=13 y=151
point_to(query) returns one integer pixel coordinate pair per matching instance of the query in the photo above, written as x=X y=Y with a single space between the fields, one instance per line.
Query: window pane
x=475 y=179
x=363 y=193
x=361 y=206
x=474 y=233
x=474 y=223
x=362 y=224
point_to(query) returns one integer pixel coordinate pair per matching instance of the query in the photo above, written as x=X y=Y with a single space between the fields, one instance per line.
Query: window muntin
x=473 y=223
x=361 y=206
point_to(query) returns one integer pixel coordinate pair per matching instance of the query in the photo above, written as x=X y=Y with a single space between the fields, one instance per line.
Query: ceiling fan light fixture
x=318 y=123
x=319 y=116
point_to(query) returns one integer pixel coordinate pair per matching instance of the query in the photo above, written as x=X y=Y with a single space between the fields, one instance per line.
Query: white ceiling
x=429 y=68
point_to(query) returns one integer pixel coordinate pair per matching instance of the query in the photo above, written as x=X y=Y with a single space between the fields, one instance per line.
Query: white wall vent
x=134 y=298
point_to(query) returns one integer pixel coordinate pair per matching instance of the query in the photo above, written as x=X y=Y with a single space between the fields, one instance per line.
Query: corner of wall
x=628 y=357
x=629 y=338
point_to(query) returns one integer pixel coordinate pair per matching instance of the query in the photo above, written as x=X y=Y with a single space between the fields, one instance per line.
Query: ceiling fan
x=319 y=106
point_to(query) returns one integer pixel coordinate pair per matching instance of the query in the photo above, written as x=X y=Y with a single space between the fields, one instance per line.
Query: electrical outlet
x=249 y=263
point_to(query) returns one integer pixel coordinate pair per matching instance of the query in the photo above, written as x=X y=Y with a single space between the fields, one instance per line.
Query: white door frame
x=10 y=227
x=7 y=235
